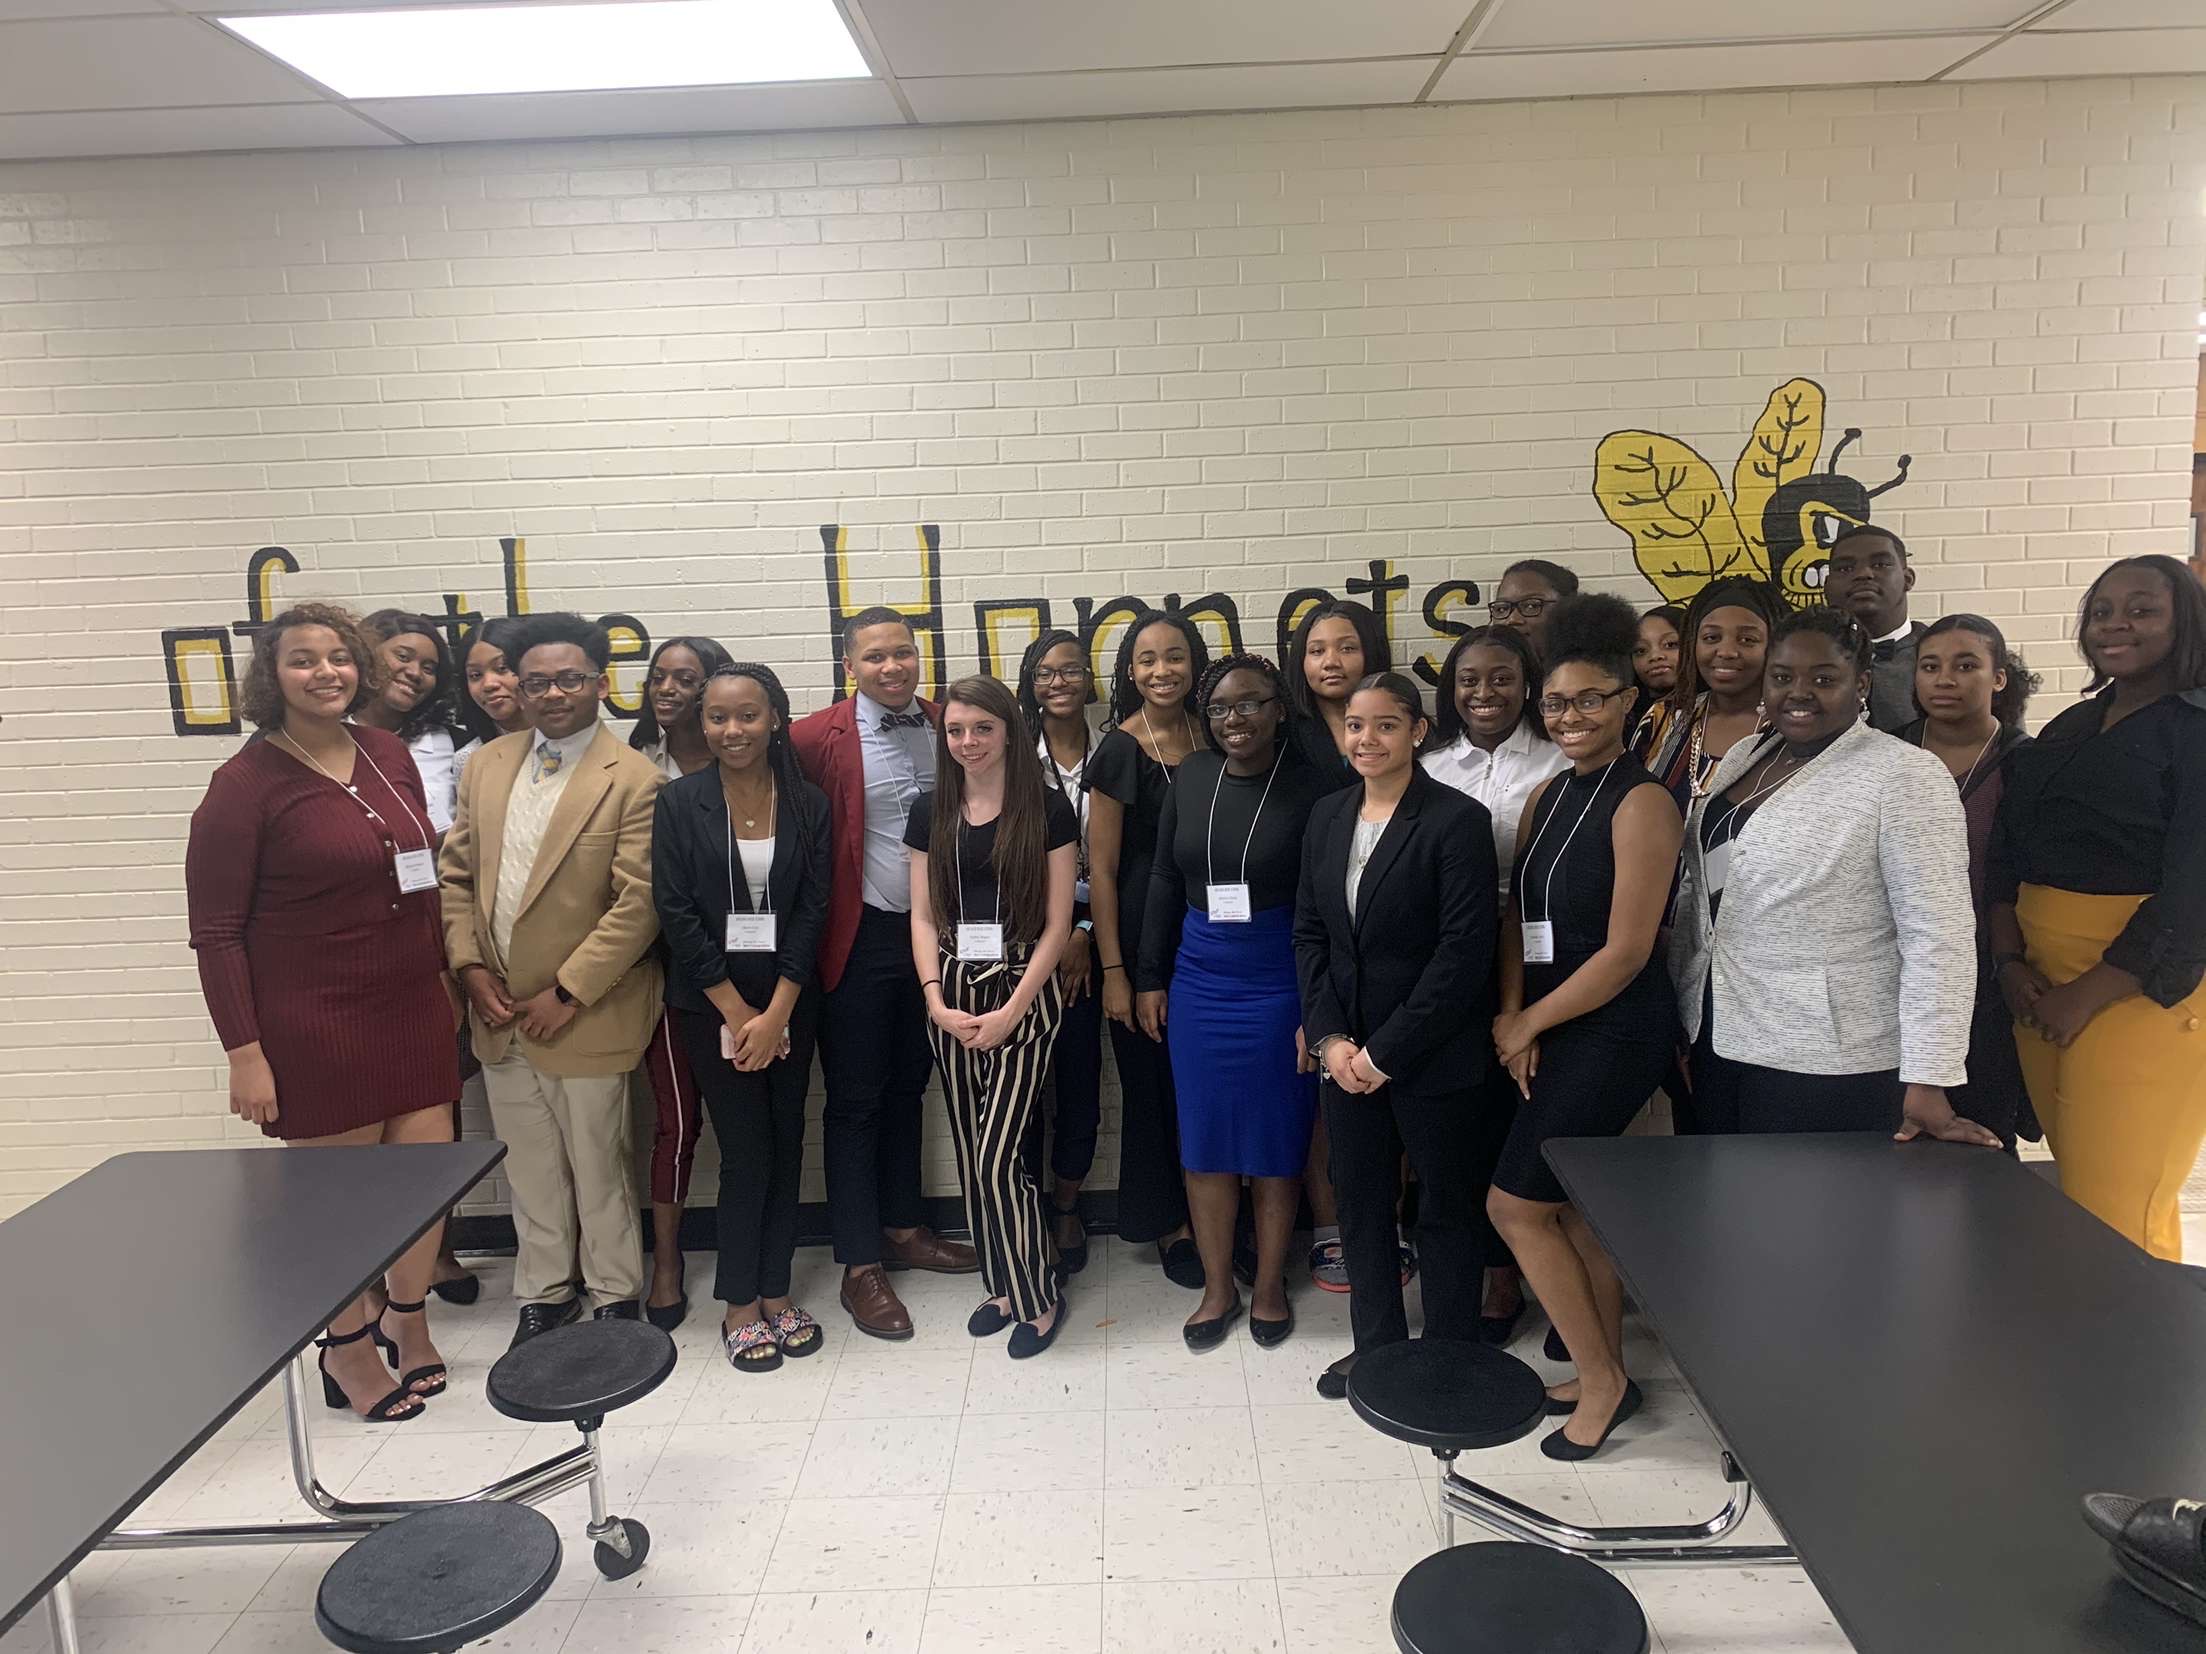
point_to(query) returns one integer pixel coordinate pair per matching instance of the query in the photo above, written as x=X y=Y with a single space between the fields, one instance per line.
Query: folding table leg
x=61 y=1615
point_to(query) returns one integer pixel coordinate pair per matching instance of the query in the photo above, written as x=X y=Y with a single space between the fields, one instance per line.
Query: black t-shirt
x=1192 y=850
x=976 y=853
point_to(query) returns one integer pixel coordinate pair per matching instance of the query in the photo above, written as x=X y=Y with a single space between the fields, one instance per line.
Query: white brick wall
x=1236 y=354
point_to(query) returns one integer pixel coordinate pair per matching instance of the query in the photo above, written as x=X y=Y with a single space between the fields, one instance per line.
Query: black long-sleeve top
x=1191 y=852
x=2117 y=812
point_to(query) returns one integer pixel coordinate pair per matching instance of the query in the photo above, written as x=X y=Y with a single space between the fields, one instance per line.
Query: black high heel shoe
x=465 y=1289
x=1072 y=1258
x=386 y=1411
x=432 y=1374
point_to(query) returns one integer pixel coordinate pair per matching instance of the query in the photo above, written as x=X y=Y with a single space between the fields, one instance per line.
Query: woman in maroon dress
x=312 y=889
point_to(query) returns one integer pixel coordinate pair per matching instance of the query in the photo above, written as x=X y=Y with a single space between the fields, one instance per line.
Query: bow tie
x=903 y=720
x=1884 y=651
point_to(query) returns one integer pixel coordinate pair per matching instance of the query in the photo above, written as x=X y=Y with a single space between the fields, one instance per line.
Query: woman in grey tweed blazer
x=1824 y=944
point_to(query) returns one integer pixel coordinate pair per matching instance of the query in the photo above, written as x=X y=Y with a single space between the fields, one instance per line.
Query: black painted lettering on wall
x=1449 y=594
x=924 y=612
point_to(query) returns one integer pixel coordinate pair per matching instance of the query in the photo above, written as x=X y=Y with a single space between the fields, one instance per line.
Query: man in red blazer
x=873 y=754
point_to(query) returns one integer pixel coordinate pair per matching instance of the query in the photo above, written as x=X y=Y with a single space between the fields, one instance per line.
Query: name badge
x=1539 y=941
x=1716 y=866
x=1228 y=903
x=417 y=870
x=982 y=942
x=751 y=933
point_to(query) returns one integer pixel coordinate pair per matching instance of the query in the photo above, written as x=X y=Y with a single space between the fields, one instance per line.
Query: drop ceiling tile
x=1578 y=23
x=988 y=37
x=606 y=114
x=135 y=63
x=16 y=11
x=179 y=131
x=1165 y=91
x=2128 y=14
x=1488 y=75
x=2117 y=52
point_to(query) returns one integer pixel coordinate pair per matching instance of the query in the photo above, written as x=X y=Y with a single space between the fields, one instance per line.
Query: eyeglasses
x=1059 y=674
x=1587 y=701
x=1219 y=711
x=569 y=683
x=1501 y=608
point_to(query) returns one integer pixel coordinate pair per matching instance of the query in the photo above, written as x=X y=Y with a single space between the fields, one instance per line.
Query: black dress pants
x=1369 y=1135
x=758 y=1120
x=1075 y=1094
x=873 y=1051
x=1152 y=1189
x=1736 y=1096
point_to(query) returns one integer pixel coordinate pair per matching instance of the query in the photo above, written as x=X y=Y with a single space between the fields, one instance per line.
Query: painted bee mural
x=1777 y=521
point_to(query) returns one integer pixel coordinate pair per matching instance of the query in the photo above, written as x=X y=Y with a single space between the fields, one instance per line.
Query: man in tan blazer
x=548 y=924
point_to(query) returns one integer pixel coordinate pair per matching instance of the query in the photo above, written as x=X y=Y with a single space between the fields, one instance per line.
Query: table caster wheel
x=611 y=1563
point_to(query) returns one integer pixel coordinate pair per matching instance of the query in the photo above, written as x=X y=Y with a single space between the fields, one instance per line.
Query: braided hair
x=779 y=753
x=1844 y=633
x=1216 y=674
x=1030 y=703
x=1124 y=695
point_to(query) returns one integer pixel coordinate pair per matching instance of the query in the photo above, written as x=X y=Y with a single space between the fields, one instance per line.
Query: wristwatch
x=559 y=992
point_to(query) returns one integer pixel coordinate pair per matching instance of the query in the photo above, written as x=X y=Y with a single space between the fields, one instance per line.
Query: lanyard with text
x=975 y=941
x=1539 y=934
x=752 y=932
x=416 y=869
x=1228 y=904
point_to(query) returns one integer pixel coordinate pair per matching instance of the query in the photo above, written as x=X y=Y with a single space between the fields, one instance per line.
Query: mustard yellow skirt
x=2124 y=1107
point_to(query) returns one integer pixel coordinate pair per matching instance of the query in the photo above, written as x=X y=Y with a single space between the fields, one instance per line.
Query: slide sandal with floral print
x=797 y=1333
x=751 y=1347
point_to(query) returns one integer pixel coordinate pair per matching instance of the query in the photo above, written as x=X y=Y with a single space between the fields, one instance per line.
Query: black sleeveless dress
x=1597 y=1070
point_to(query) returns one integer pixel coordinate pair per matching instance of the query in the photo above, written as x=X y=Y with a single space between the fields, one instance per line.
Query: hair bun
x=1592 y=626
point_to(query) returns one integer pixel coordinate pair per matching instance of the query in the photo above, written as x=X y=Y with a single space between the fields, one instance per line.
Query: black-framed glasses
x=1502 y=608
x=1587 y=701
x=568 y=683
x=1219 y=711
x=1059 y=674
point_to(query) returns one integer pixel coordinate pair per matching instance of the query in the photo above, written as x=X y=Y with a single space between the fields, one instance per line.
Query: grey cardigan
x=1847 y=942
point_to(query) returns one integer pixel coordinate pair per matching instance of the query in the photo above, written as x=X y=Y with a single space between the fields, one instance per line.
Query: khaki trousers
x=567 y=1151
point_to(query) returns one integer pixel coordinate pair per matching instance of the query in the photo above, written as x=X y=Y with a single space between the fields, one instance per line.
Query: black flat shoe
x=1208 y=1335
x=1027 y=1343
x=1332 y=1384
x=1554 y=1349
x=392 y=1409
x=465 y=1290
x=1271 y=1334
x=541 y=1318
x=988 y=1320
x=1182 y=1264
x=433 y=1374
x=1497 y=1330
x=1555 y=1407
x=1559 y=1446
x=666 y=1317
x=1070 y=1259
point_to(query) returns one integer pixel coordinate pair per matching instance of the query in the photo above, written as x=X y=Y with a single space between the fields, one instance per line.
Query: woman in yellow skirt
x=2098 y=920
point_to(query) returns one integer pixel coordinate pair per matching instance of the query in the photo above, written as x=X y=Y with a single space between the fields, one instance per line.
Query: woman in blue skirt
x=1217 y=962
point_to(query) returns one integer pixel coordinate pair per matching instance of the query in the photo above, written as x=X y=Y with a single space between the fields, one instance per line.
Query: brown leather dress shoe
x=873 y=1304
x=928 y=1250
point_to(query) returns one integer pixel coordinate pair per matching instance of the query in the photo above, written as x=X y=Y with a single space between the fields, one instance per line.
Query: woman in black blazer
x=1395 y=927
x=739 y=872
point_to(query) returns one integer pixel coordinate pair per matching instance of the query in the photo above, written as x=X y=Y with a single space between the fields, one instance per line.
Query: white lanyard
x=1229 y=903
x=977 y=941
x=752 y=932
x=1539 y=934
x=416 y=870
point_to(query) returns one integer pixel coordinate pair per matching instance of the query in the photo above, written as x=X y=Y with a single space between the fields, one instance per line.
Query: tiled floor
x=937 y=1498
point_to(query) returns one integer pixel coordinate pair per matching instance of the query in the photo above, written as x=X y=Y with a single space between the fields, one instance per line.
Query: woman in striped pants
x=992 y=870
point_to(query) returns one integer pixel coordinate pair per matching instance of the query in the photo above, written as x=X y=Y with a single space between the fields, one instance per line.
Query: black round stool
x=577 y=1374
x=1449 y=1397
x=1505 y=1598
x=437 y=1580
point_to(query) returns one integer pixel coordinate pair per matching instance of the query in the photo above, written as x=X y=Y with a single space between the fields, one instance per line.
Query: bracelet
x=1114 y=967
x=931 y=982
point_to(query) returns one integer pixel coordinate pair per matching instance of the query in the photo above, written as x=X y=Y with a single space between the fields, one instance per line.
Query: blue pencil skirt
x=1233 y=1012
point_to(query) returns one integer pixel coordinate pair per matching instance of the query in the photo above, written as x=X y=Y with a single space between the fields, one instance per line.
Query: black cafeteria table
x=1924 y=1356
x=148 y=1300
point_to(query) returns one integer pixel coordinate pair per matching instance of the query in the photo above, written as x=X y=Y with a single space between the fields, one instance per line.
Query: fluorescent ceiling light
x=440 y=51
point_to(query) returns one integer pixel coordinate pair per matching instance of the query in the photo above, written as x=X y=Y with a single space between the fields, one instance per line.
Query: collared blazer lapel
x=1400 y=826
x=585 y=790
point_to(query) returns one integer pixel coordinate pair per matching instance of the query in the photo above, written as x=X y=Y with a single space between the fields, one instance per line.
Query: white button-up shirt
x=1502 y=780
x=899 y=766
